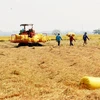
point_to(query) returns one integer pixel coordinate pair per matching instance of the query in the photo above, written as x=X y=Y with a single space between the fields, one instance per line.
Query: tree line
x=96 y=31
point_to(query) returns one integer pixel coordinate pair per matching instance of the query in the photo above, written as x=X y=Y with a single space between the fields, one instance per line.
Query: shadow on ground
x=29 y=44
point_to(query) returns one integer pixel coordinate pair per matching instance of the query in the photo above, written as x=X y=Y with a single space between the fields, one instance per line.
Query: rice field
x=49 y=72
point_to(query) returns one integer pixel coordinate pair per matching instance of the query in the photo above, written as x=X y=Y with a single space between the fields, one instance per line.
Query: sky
x=48 y=15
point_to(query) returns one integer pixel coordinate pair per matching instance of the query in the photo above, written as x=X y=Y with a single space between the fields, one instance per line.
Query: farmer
x=58 y=39
x=85 y=37
x=71 y=38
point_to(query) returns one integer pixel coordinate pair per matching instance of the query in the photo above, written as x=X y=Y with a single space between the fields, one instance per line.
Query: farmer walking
x=85 y=37
x=58 y=39
x=71 y=38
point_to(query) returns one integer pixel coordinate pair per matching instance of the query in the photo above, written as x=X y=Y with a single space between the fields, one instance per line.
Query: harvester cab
x=30 y=32
x=26 y=37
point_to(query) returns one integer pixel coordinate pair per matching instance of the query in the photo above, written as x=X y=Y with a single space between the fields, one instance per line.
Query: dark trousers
x=58 y=43
x=85 y=41
x=71 y=43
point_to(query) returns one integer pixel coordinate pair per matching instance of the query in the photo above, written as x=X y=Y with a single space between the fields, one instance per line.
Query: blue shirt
x=58 y=38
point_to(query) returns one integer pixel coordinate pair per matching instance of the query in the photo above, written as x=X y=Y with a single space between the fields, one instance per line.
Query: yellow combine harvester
x=28 y=37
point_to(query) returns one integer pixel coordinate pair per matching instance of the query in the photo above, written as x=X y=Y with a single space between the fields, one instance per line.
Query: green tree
x=96 y=31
